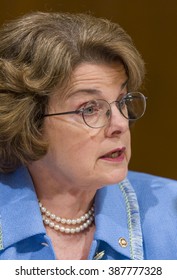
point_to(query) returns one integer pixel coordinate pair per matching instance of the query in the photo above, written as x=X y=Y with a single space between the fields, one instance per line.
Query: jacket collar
x=19 y=210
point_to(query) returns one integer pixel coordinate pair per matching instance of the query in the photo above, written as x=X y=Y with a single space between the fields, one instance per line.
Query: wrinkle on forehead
x=88 y=73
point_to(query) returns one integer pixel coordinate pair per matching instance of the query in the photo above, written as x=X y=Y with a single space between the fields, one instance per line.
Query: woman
x=68 y=93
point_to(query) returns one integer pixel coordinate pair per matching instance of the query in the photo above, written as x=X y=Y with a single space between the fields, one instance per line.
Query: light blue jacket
x=135 y=219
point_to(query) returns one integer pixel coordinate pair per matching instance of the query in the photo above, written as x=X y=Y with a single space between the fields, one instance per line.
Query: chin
x=115 y=177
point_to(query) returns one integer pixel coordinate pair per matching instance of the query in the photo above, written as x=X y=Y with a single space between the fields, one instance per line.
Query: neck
x=64 y=199
x=67 y=205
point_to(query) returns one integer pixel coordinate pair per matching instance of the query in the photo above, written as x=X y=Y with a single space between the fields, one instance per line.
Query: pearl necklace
x=53 y=221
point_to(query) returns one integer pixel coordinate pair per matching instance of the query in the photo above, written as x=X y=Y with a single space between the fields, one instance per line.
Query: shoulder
x=15 y=185
x=139 y=176
x=157 y=200
x=144 y=182
x=154 y=191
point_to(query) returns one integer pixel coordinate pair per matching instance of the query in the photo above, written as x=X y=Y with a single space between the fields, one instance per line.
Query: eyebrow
x=85 y=90
x=94 y=91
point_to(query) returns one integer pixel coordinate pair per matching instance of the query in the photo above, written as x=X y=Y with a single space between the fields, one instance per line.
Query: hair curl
x=38 y=52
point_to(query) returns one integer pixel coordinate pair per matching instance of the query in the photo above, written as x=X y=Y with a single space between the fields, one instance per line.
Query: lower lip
x=117 y=159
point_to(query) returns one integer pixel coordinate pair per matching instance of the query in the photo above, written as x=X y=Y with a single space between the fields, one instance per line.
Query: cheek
x=70 y=142
x=81 y=150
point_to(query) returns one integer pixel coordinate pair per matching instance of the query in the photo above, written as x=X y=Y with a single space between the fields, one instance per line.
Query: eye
x=91 y=108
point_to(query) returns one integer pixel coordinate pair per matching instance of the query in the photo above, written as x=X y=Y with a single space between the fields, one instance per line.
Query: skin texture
x=72 y=170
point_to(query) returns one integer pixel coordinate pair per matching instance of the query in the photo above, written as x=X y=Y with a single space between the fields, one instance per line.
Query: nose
x=118 y=124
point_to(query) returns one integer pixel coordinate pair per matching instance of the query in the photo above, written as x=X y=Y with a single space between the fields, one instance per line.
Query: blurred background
x=153 y=26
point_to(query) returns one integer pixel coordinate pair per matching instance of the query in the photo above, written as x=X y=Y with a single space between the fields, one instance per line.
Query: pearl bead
x=82 y=218
x=86 y=216
x=81 y=227
x=67 y=230
x=46 y=221
x=51 y=224
x=73 y=222
x=43 y=209
x=57 y=219
x=78 y=221
x=77 y=229
x=52 y=216
x=85 y=225
x=63 y=221
x=56 y=227
x=62 y=229
x=47 y=213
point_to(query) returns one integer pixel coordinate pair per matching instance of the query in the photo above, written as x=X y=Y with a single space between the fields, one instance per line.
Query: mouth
x=115 y=155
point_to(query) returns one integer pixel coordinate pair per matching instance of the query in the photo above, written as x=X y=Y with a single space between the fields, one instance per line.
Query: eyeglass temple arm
x=132 y=97
x=63 y=113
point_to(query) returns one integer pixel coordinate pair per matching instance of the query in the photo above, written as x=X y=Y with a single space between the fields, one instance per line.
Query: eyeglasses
x=97 y=113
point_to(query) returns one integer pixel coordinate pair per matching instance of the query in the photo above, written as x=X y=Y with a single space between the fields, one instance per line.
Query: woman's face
x=81 y=156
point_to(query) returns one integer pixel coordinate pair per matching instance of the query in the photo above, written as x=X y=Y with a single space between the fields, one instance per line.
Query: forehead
x=95 y=77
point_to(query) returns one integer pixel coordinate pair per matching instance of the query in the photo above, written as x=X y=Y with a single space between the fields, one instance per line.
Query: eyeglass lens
x=97 y=113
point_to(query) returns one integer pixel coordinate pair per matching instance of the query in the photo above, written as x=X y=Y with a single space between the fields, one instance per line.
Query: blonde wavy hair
x=39 y=52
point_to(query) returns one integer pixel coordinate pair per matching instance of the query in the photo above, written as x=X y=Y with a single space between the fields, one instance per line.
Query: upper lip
x=120 y=150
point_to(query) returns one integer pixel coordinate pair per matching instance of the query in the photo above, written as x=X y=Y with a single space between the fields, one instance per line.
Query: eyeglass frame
x=81 y=111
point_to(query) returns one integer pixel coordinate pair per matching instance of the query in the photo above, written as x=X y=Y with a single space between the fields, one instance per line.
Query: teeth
x=114 y=155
